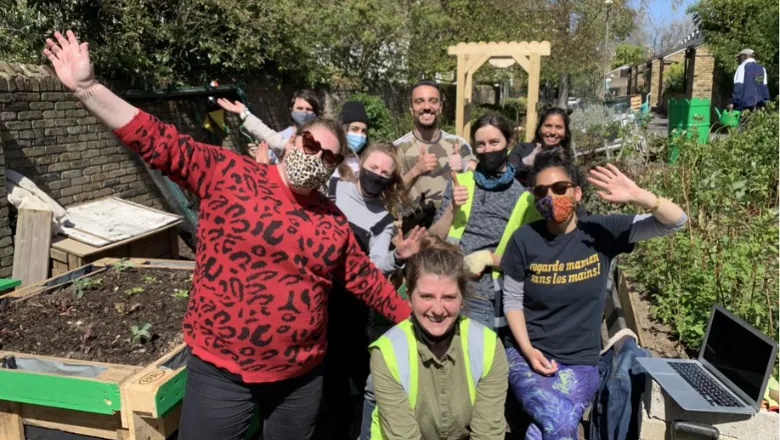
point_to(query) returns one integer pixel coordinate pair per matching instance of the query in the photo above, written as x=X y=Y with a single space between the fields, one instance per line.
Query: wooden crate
x=121 y=402
x=68 y=254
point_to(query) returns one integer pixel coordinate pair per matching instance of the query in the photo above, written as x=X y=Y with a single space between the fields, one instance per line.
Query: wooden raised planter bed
x=89 y=397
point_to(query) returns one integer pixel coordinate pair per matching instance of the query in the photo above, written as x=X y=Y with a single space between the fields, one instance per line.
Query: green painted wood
x=59 y=391
x=170 y=393
x=8 y=283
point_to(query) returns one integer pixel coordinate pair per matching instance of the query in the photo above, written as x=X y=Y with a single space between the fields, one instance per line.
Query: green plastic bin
x=691 y=116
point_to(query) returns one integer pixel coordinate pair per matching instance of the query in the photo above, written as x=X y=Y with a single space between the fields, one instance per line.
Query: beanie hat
x=353 y=111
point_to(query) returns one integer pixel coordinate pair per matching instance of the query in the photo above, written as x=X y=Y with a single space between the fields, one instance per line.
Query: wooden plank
x=146 y=428
x=8 y=283
x=59 y=255
x=148 y=391
x=32 y=246
x=38 y=288
x=11 y=425
x=76 y=393
x=76 y=247
x=627 y=303
x=76 y=422
x=74 y=261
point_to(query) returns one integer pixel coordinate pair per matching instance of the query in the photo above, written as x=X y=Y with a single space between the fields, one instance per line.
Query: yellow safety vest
x=399 y=350
x=523 y=212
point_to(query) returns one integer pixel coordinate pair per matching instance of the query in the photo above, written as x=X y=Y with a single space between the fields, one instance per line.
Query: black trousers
x=346 y=367
x=219 y=406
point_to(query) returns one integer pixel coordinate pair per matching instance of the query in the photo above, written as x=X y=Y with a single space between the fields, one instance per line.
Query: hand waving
x=70 y=61
x=233 y=107
x=406 y=247
x=619 y=188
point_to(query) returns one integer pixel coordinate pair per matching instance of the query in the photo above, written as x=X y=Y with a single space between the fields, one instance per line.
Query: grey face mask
x=301 y=118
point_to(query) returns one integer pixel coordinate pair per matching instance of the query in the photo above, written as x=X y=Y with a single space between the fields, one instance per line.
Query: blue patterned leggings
x=554 y=404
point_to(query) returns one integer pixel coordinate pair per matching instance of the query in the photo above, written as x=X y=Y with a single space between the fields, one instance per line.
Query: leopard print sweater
x=266 y=258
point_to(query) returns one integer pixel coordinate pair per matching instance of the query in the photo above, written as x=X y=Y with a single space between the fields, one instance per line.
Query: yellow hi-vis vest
x=399 y=350
x=523 y=212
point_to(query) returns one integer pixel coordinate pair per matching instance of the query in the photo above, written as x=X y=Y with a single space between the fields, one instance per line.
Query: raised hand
x=460 y=194
x=425 y=162
x=70 y=61
x=406 y=247
x=233 y=107
x=618 y=188
x=455 y=161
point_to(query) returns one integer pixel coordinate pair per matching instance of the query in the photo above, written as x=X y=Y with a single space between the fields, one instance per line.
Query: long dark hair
x=493 y=120
x=546 y=113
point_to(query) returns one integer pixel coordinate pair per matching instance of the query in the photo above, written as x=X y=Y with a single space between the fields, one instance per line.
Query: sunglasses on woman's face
x=312 y=146
x=558 y=188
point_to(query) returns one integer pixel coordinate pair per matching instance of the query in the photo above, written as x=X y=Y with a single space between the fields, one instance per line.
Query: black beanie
x=353 y=111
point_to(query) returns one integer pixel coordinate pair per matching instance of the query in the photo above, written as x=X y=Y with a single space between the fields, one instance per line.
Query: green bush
x=728 y=254
x=381 y=125
x=674 y=78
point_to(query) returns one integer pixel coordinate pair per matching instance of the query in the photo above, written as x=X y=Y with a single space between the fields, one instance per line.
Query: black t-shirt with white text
x=565 y=279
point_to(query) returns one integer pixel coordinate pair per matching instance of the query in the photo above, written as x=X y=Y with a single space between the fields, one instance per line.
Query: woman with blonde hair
x=370 y=201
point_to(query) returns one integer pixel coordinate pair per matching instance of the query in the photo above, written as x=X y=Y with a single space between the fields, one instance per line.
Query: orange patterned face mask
x=555 y=208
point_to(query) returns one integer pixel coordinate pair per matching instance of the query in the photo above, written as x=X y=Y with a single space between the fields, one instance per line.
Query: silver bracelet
x=244 y=114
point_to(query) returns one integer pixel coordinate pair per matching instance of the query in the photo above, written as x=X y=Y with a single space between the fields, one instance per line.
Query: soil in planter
x=93 y=319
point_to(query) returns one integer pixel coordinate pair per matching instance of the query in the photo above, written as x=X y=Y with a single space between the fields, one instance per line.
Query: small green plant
x=181 y=293
x=148 y=279
x=83 y=284
x=123 y=265
x=135 y=290
x=140 y=335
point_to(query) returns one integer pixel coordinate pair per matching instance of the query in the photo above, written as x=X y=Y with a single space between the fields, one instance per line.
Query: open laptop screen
x=738 y=353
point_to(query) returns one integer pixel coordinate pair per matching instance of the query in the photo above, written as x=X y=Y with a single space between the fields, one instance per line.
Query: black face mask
x=372 y=183
x=492 y=162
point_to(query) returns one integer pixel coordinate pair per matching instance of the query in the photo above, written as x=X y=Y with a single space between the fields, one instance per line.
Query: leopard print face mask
x=305 y=171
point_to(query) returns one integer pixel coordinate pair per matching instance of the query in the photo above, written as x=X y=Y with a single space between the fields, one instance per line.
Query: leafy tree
x=730 y=26
x=628 y=54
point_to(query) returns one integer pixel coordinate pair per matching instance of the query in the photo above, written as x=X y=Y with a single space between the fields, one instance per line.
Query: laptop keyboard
x=711 y=390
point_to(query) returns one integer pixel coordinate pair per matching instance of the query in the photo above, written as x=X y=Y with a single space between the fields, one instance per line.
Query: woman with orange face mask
x=555 y=278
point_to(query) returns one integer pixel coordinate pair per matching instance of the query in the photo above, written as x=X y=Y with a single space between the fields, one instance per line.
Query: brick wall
x=703 y=73
x=656 y=82
x=46 y=135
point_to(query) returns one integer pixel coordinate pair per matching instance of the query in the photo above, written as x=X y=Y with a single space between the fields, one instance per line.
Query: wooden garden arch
x=471 y=56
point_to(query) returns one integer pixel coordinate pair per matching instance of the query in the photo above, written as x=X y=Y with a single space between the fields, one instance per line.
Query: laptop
x=731 y=373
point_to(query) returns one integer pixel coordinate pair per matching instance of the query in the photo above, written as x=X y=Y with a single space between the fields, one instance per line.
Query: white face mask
x=305 y=171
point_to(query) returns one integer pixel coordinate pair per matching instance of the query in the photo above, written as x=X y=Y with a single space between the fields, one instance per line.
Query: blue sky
x=661 y=10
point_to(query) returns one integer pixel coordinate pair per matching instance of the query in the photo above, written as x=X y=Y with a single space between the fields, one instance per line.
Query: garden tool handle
x=703 y=429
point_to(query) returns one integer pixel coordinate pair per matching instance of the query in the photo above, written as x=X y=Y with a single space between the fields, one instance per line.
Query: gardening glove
x=476 y=262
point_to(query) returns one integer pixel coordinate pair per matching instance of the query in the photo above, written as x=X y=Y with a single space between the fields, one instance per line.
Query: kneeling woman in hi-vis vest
x=438 y=375
x=480 y=213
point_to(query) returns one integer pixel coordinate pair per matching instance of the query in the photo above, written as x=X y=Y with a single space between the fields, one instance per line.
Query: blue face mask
x=301 y=118
x=356 y=141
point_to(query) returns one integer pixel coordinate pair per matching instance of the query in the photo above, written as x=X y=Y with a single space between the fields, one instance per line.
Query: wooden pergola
x=471 y=56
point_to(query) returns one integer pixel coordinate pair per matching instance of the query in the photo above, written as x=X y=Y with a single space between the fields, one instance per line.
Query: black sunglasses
x=312 y=146
x=558 y=188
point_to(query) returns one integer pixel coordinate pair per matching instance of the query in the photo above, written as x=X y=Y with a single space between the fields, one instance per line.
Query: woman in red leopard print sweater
x=269 y=249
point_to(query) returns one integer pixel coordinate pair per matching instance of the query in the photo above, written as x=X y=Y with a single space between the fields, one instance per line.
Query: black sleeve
x=516 y=156
x=513 y=260
x=617 y=228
